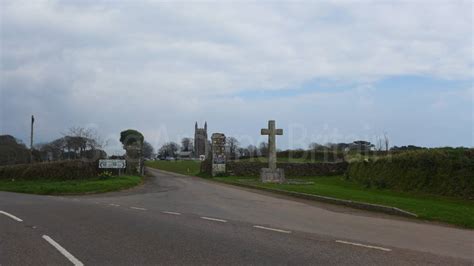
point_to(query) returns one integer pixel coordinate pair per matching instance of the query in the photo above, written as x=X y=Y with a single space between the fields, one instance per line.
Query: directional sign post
x=112 y=164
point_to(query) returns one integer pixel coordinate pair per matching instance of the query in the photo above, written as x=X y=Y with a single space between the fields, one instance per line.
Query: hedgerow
x=61 y=170
x=447 y=172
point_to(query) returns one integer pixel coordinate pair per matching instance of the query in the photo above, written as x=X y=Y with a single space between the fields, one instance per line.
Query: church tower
x=200 y=140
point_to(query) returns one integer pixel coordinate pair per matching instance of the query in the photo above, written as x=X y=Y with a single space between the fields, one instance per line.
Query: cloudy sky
x=325 y=71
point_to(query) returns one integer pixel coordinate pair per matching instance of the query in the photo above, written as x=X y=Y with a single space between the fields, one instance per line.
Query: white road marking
x=214 y=219
x=272 y=229
x=115 y=205
x=173 y=213
x=362 y=245
x=11 y=216
x=63 y=251
x=138 y=208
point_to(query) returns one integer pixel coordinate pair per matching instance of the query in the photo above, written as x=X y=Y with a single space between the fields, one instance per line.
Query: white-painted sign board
x=112 y=164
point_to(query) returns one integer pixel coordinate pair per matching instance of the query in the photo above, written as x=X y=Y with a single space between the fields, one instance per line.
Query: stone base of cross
x=272 y=174
x=268 y=175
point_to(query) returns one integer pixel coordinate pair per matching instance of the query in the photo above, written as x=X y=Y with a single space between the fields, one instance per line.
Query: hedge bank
x=244 y=168
x=62 y=170
x=448 y=172
x=312 y=155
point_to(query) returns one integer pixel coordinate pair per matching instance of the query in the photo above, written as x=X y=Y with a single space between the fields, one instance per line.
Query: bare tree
x=147 y=150
x=187 y=144
x=233 y=145
x=86 y=138
x=263 y=149
x=169 y=149
x=252 y=151
x=386 y=141
x=379 y=144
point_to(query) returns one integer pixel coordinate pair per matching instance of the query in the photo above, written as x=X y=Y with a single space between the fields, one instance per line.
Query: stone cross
x=271 y=131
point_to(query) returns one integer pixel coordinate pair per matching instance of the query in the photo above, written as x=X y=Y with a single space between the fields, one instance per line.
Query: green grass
x=185 y=167
x=429 y=207
x=54 y=187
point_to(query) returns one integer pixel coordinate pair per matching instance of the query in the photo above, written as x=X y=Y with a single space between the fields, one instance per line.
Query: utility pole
x=31 y=139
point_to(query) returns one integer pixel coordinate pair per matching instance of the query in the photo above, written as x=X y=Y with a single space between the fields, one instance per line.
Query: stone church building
x=201 y=143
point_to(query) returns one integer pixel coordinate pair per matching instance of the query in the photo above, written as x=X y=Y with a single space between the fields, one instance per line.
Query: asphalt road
x=179 y=220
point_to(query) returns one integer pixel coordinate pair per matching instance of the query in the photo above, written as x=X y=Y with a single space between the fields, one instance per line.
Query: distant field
x=54 y=187
x=429 y=207
x=185 y=167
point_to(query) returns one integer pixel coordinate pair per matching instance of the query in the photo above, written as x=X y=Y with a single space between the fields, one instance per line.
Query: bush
x=448 y=172
x=105 y=175
x=313 y=155
x=62 y=170
x=291 y=169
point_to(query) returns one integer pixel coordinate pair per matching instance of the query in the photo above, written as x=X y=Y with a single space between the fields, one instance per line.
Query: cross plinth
x=272 y=174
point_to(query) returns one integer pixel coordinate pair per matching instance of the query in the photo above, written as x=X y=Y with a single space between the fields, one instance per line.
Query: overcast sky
x=327 y=72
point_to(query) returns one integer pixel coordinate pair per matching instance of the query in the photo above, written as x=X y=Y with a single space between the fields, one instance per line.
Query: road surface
x=172 y=219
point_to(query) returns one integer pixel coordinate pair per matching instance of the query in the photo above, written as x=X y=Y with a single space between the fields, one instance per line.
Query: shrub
x=105 y=175
x=313 y=155
x=291 y=169
x=62 y=170
x=447 y=172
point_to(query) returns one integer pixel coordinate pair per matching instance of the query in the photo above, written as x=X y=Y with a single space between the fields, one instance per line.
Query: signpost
x=112 y=164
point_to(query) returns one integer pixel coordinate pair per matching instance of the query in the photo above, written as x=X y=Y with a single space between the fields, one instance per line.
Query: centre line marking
x=362 y=245
x=11 y=216
x=172 y=213
x=115 y=205
x=214 y=219
x=272 y=229
x=63 y=251
x=138 y=208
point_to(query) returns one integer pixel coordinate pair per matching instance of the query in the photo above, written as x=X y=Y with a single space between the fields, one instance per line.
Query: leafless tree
x=386 y=141
x=252 y=151
x=379 y=144
x=86 y=138
x=263 y=149
x=169 y=149
x=147 y=150
x=187 y=144
x=233 y=145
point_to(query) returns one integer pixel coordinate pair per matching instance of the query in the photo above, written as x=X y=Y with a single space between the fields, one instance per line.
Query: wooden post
x=31 y=139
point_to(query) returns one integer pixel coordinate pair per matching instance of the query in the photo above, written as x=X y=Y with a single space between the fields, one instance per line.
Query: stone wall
x=206 y=166
x=291 y=169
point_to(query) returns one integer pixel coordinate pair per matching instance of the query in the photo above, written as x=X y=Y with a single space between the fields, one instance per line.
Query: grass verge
x=55 y=187
x=185 y=167
x=429 y=207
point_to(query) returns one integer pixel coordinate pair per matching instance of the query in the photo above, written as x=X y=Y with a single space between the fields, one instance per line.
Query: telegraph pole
x=31 y=139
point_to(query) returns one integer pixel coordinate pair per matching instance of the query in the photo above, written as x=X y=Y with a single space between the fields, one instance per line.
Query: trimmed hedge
x=313 y=155
x=448 y=172
x=62 y=170
x=291 y=169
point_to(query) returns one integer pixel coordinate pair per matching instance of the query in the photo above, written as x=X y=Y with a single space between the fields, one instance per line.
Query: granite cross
x=271 y=131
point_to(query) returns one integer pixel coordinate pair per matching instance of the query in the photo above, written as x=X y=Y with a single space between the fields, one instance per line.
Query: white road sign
x=112 y=163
